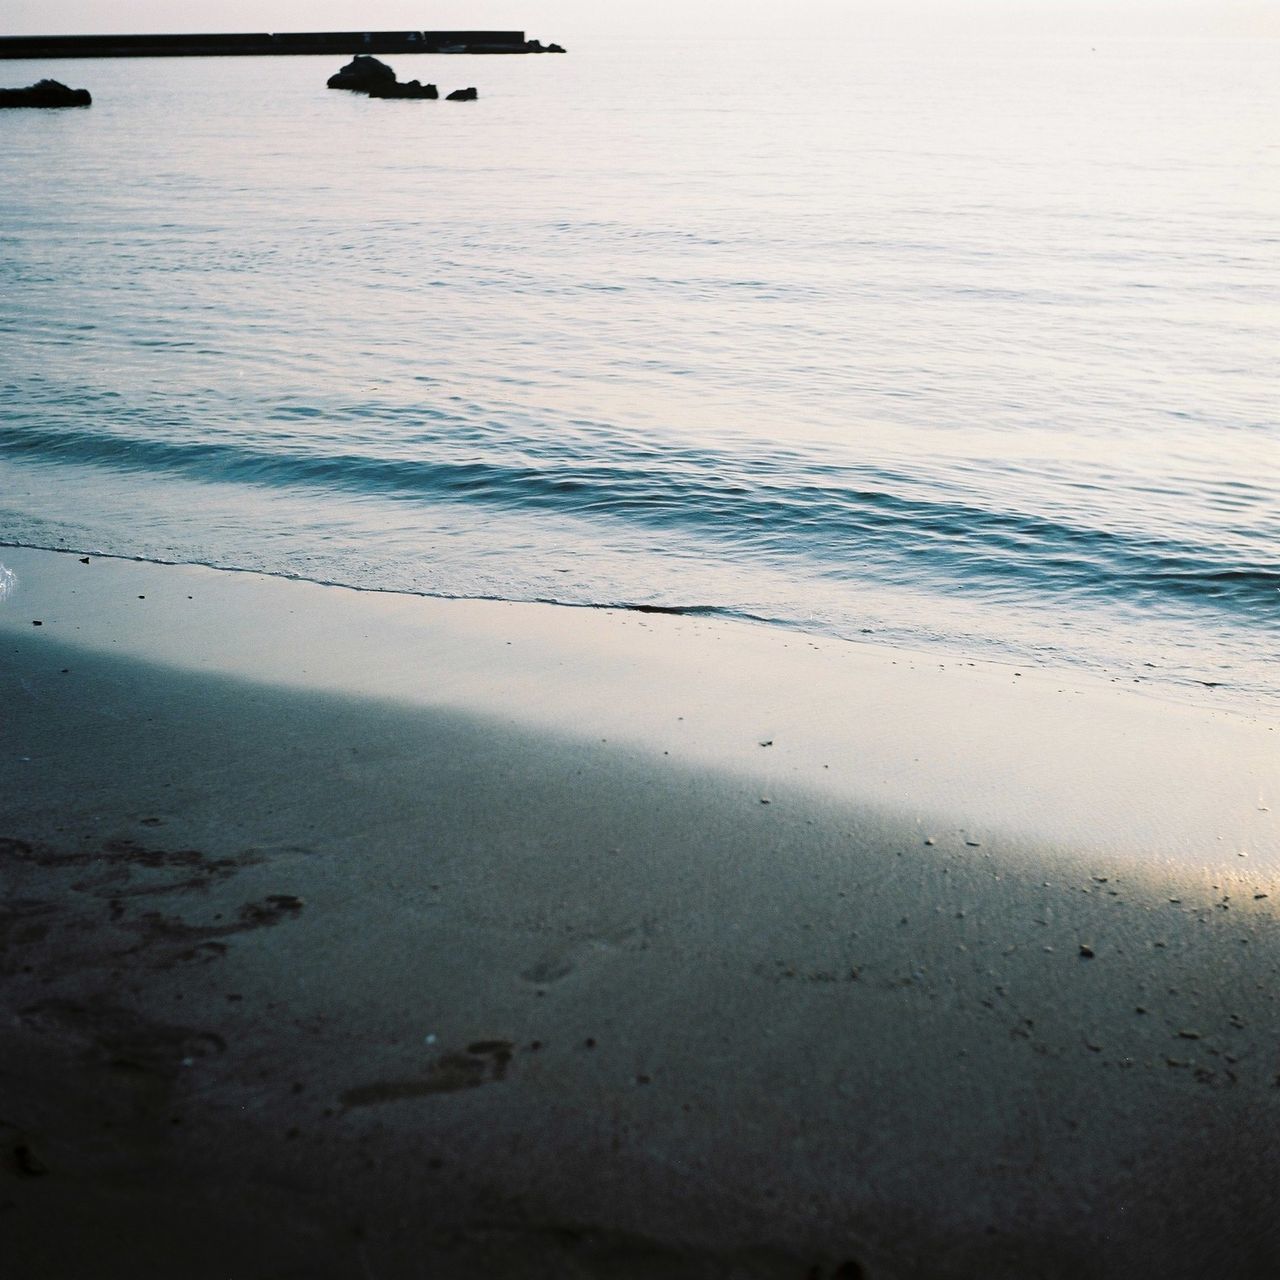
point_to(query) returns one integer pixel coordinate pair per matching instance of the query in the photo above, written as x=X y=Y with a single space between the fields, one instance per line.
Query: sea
x=963 y=346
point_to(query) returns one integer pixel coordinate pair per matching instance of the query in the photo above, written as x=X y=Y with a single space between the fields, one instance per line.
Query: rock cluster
x=364 y=74
x=361 y=74
x=47 y=93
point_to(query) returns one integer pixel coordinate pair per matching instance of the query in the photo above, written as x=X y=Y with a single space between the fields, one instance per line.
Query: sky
x=567 y=20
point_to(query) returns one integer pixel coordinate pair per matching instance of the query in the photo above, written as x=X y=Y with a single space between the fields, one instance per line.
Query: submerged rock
x=361 y=74
x=46 y=93
x=410 y=90
x=463 y=95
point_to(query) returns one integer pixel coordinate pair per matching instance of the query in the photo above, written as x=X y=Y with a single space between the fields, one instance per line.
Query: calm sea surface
x=970 y=348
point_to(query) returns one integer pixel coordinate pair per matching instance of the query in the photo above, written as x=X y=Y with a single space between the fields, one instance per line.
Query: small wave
x=842 y=521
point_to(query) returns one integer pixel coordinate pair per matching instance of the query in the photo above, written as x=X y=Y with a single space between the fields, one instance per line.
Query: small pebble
x=1086 y=951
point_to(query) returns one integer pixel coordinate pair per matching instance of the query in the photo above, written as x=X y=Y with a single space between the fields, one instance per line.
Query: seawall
x=266 y=44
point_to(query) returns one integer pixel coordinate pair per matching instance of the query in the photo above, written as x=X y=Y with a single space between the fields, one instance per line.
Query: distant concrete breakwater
x=269 y=44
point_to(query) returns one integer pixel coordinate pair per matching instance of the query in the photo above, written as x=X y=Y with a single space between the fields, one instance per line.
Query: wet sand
x=350 y=935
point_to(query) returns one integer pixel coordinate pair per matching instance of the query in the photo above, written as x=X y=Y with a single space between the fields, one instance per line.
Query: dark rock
x=463 y=95
x=397 y=90
x=361 y=74
x=364 y=74
x=536 y=46
x=47 y=93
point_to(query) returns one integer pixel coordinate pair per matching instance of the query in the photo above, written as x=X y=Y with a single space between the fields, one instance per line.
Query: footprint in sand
x=560 y=961
x=482 y=1062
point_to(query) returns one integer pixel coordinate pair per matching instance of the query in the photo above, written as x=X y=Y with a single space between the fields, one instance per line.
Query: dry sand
x=347 y=935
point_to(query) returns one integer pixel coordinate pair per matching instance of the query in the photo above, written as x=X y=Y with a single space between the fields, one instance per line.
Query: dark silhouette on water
x=362 y=75
x=273 y=44
x=45 y=93
x=411 y=89
x=367 y=75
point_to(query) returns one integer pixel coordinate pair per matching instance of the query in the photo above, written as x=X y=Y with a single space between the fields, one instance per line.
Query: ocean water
x=967 y=347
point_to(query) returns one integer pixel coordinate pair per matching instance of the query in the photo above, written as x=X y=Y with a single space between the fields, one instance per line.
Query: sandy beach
x=360 y=935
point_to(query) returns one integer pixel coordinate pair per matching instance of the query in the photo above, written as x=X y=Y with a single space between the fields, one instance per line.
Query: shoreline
x=1228 y=697
x=352 y=933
